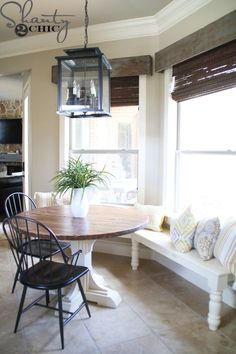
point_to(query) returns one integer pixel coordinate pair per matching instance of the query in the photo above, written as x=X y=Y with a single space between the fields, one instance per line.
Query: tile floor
x=160 y=314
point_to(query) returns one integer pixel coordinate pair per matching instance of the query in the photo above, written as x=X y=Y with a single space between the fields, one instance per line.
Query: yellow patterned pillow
x=182 y=231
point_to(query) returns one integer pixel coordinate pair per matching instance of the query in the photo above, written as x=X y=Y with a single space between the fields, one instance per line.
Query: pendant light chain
x=86 y=22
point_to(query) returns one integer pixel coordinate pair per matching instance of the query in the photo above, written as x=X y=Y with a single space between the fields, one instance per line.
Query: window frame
x=64 y=141
x=180 y=152
x=219 y=61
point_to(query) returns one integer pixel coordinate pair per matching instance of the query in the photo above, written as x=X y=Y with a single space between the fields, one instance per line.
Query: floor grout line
x=91 y=336
x=105 y=264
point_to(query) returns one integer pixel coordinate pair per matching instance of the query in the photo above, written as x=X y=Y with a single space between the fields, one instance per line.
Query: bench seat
x=217 y=275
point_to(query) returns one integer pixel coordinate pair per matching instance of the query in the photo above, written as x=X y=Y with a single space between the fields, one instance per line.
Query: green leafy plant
x=79 y=174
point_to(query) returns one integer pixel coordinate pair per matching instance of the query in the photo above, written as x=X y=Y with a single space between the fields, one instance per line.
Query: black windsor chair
x=16 y=203
x=45 y=274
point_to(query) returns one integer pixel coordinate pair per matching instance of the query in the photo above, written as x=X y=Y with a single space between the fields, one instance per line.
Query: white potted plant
x=76 y=177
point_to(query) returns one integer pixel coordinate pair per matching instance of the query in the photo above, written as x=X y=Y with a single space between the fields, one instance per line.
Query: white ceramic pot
x=79 y=205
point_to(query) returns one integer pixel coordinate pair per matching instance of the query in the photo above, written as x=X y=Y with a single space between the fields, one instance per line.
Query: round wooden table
x=101 y=222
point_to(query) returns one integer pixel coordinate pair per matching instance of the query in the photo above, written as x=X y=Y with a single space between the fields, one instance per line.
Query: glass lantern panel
x=106 y=89
x=66 y=82
x=80 y=84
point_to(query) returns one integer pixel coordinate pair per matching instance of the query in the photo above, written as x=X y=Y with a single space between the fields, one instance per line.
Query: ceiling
x=99 y=11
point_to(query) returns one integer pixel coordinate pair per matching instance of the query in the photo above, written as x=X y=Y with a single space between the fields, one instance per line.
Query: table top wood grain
x=102 y=221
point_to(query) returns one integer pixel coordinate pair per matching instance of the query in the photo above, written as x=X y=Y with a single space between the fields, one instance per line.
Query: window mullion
x=213 y=152
x=107 y=151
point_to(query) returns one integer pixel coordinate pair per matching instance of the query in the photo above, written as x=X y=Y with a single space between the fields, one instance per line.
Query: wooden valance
x=211 y=36
x=130 y=66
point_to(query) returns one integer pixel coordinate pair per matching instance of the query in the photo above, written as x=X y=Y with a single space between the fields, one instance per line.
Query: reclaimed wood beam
x=211 y=36
x=130 y=66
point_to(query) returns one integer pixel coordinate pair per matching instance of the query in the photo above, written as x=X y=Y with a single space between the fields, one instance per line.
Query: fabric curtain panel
x=212 y=71
x=125 y=91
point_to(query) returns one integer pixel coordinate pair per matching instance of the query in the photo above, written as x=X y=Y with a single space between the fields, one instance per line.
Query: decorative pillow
x=182 y=231
x=44 y=199
x=205 y=237
x=225 y=247
x=63 y=200
x=156 y=216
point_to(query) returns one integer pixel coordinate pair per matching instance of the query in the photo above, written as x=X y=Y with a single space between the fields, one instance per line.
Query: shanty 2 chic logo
x=23 y=22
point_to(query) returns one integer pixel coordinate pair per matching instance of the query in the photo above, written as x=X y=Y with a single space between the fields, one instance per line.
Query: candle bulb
x=92 y=88
x=78 y=91
x=74 y=88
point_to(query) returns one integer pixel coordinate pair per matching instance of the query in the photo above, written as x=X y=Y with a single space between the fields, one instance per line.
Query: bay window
x=205 y=155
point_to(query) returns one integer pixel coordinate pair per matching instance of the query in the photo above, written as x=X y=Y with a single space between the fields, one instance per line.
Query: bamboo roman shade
x=212 y=71
x=125 y=91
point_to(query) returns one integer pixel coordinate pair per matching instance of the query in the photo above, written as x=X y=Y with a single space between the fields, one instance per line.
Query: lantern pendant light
x=84 y=81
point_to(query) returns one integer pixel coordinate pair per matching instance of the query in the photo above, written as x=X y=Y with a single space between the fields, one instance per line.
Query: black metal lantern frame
x=84 y=81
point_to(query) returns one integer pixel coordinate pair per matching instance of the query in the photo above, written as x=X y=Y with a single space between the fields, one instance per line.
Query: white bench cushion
x=161 y=243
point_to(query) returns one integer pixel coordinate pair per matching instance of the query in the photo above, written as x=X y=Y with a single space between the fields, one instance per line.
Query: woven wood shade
x=125 y=91
x=206 y=73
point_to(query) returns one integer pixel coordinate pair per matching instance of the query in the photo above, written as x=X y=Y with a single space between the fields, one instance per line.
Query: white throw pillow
x=205 y=237
x=63 y=200
x=182 y=231
x=45 y=199
x=225 y=247
x=155 y=215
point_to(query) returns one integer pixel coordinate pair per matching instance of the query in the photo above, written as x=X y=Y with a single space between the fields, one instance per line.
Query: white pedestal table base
x=93 y=283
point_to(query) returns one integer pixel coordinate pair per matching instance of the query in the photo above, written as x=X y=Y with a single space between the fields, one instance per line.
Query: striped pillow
x=225 y=247
x=182 y=231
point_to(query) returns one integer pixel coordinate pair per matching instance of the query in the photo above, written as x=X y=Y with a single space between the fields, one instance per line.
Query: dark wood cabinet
x=8 y=185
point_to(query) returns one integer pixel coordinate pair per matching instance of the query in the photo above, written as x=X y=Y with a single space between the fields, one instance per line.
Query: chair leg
x=17 y=273
x=15 y=279
x=84 y=297
x=61 y=318
x=47 y=297
x=20 y=308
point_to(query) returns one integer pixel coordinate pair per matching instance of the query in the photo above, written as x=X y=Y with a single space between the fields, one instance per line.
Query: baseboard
x=122 y=247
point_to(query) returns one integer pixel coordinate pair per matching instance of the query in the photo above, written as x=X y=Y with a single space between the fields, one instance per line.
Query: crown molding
x=176 y=11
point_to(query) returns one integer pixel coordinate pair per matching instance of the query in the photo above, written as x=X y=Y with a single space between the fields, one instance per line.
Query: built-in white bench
x=217 y=276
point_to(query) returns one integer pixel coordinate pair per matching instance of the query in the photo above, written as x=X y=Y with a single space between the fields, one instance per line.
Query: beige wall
x=45 y=122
